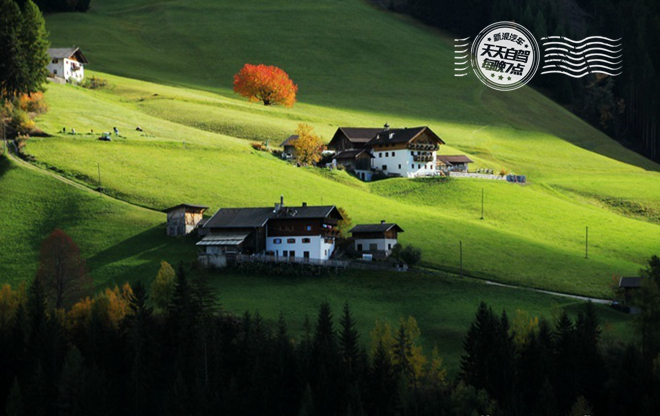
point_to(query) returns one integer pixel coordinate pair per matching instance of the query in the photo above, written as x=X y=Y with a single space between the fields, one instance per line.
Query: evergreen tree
x=383 y=383
x=34 y=46
x=349 y=339
x=13 y=65
x=15 y=406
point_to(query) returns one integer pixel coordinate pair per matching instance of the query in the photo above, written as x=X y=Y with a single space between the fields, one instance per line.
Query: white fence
x=476 y=175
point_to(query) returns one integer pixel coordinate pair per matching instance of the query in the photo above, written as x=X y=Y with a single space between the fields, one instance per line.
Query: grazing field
x=532 y=235
x=444 y=307
x=120 y=242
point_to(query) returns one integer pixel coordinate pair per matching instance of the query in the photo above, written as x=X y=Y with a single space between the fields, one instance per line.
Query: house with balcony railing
x=307 y=232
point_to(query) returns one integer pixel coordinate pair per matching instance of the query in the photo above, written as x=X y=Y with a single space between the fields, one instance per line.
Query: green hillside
x=358 y=66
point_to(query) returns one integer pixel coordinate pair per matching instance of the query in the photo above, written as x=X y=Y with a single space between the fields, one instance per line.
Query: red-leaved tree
x=265 y=83
x=62 y=271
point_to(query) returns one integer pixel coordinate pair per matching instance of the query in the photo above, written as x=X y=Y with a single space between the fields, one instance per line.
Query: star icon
x=508 y=78
x=501 y=77
x=492 y=75
x=488 y=39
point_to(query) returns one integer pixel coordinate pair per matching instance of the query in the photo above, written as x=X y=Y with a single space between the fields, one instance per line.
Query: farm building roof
x=227 y=238
x=258 y=217
x=351 y=154
x=451 y=159
x=405 y=135
x=289 y=141
x=630 y=282
x=61 y=53
x=191 y=206
x=360 y=134
x=375 y=228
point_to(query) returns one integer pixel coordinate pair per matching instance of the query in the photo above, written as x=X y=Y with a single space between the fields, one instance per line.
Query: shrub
x=94 y=83
x=411 y=255
x=504 y=171
x=32 y=103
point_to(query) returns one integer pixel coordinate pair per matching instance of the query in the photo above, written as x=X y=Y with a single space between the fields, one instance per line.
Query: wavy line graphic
x=461 y=47
x=577 y=58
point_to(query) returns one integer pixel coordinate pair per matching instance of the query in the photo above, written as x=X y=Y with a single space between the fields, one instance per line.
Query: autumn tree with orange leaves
x=62 y=271
x=265 y=83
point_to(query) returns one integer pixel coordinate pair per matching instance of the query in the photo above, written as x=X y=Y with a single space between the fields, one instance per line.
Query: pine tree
x=383 y=383
x=34 y=45
x=13 y=63
x=15 y=406
x=162 y=288
x=349 y=339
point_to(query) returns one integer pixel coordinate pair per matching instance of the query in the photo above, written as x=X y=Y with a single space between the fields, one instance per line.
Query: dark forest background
x=626 y=106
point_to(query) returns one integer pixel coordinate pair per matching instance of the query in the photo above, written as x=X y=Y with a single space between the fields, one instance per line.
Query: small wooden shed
x=184 y=218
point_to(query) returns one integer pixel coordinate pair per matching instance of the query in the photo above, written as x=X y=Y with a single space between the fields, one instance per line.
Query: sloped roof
x=289 y=141
x=375 y=228
x=357 y=134
x=630 y=282
x=258 y=217
x=227 y=238
x=454 y=159
x=404 y=135
x=61 y=53
x=352 y=154
x=192 y=206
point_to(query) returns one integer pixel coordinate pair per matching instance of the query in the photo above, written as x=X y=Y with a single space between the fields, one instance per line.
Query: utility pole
x=482 y=203
x=100 y=186
x=460 y=247
x=586 y=244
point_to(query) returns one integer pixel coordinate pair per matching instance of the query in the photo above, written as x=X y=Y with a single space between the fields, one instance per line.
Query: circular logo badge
x=505 y=56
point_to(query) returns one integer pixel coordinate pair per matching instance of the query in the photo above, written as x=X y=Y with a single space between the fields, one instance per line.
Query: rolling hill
x=355 y=65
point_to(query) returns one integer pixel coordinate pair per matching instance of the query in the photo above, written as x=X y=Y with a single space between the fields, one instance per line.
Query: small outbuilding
x=289 y=146
x=454 y=163
x=375 y=238
x=184 y=218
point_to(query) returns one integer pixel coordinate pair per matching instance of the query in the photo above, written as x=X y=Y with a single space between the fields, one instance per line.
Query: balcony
x=423 y=158
x=423 y=146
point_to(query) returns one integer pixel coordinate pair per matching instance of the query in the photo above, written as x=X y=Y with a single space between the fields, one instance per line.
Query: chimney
x=382 y=221
x=279 y=206
x=304 y=204
x=387 y=127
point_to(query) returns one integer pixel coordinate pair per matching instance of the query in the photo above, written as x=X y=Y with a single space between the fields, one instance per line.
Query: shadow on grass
x=138 y=257
x=5 y=165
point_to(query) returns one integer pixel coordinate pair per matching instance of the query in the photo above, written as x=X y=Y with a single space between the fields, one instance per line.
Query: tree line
x=626 y=106
x=173 y=350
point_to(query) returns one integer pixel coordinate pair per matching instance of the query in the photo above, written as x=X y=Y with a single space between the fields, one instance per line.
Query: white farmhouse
x=407 y=152
x=67 y=63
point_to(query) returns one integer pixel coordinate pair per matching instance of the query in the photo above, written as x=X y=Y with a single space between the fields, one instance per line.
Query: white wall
x=384 y=244
x=64 y=69
x=405 y=159
x=317 y=247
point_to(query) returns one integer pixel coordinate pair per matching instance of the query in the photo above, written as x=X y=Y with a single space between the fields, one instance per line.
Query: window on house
x=306 y=254
x=399 y=166
x=277 y=241
x=373 y=247
x=384 y=167
x=380 y=155
x=359 y=247
x=389 y=246
x=306 y=240
x=292 y=253
x=387 y=154
x=289 y=227
x=55 y=71
x=54 y=61
x=291 y=240
x=285 y=253
x=308 y=228
x=392 y=154
x=326 y=252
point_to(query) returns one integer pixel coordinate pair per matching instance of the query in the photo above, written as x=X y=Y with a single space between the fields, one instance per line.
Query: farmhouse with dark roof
x=67 y=63
x=308 y=232
x=405 y=152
